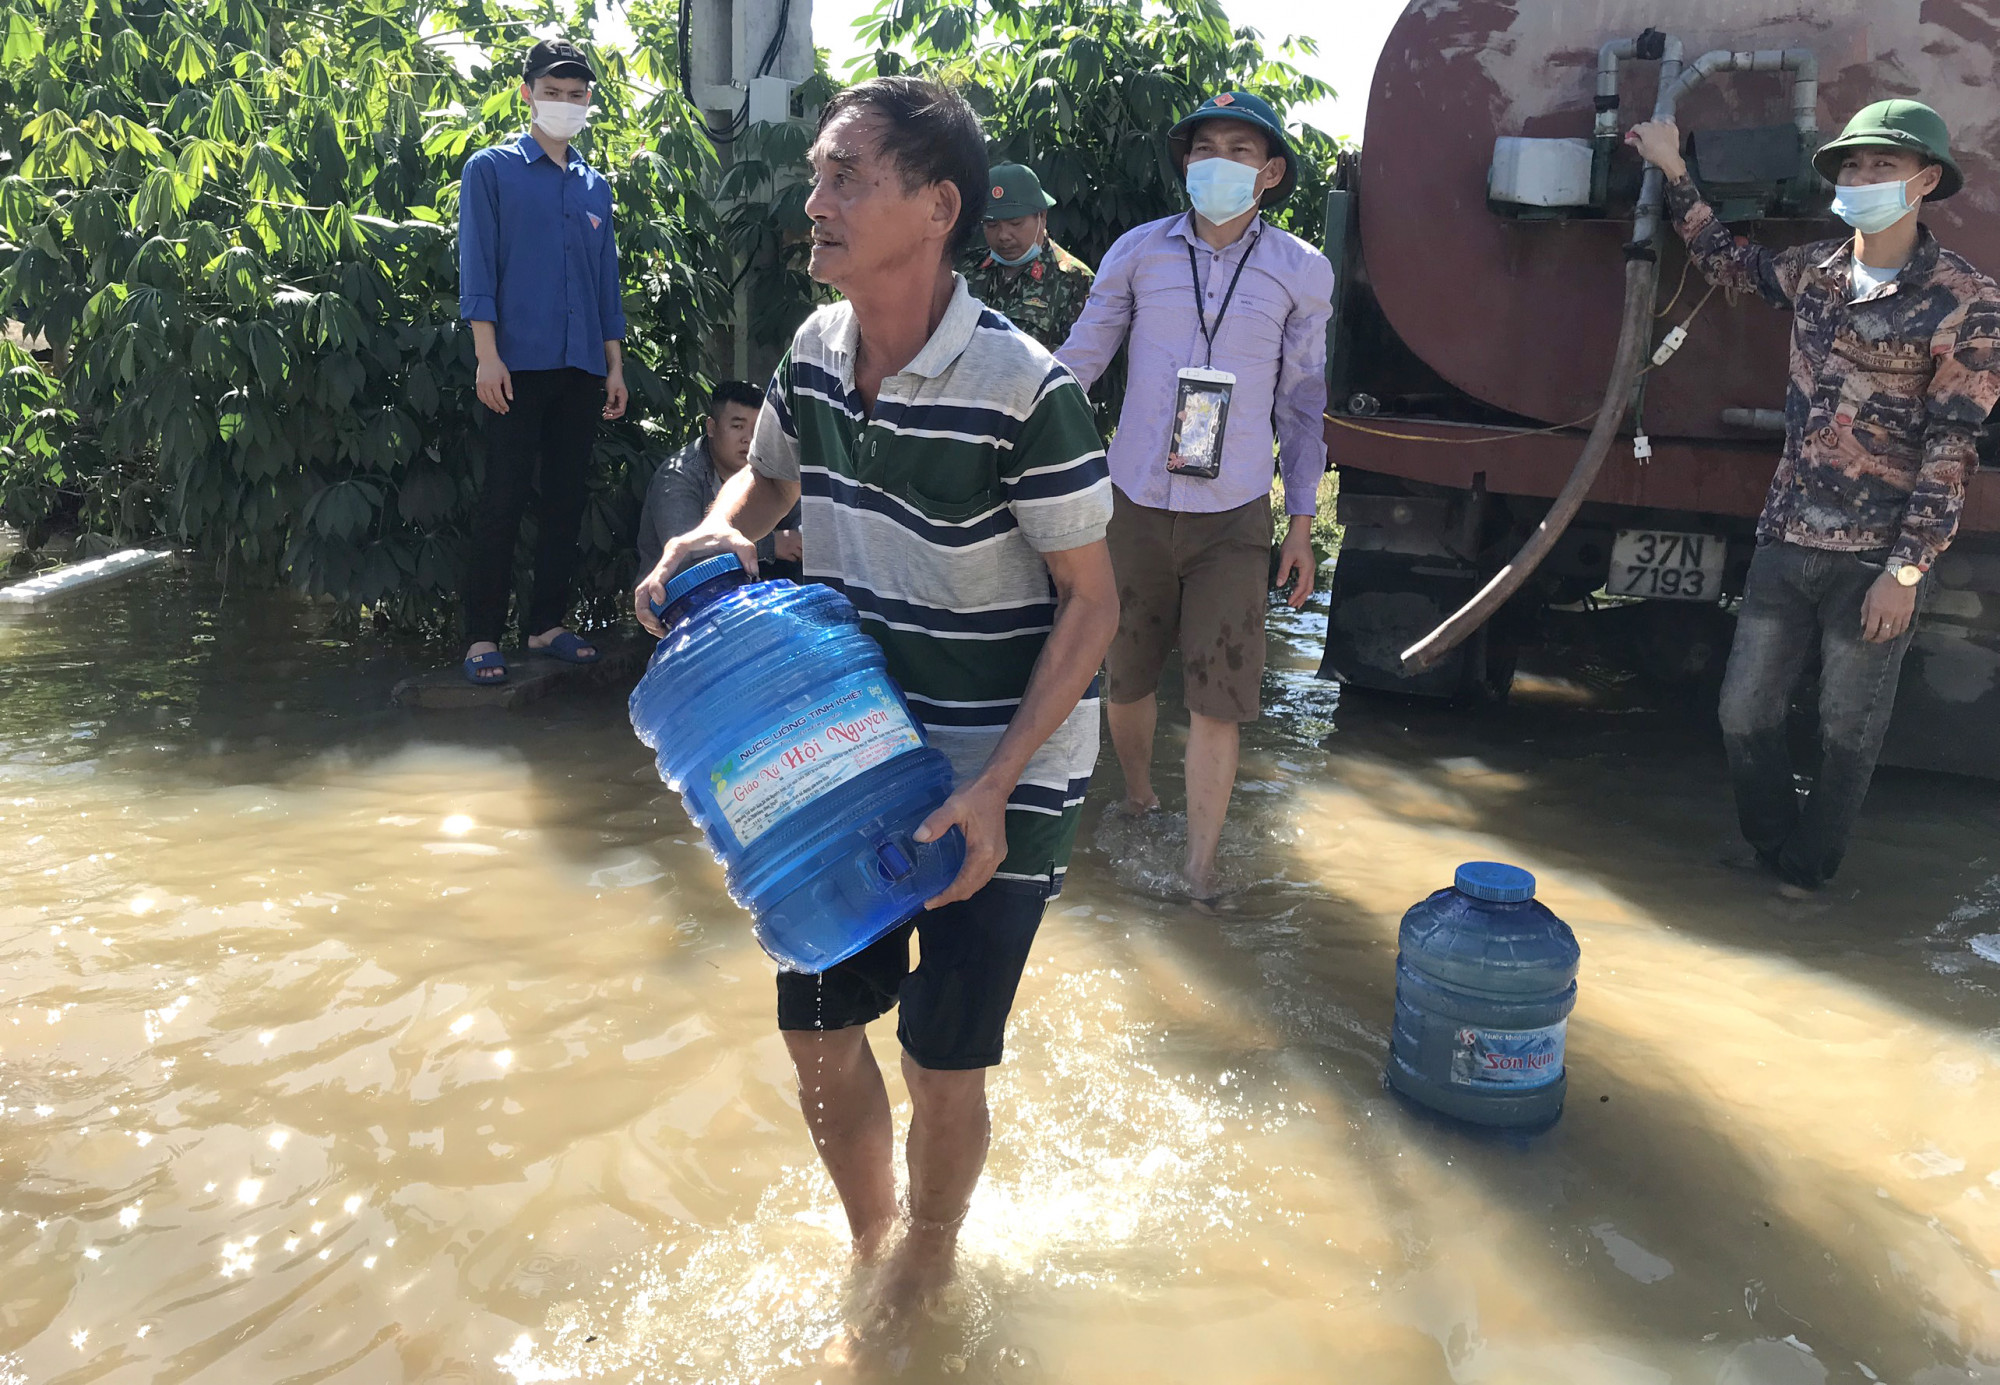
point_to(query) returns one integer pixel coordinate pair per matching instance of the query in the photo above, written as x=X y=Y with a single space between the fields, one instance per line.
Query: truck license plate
x=1667 y=567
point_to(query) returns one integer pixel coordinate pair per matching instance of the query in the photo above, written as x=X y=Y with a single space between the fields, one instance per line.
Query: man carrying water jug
x=954 y=489
x=1895 y=364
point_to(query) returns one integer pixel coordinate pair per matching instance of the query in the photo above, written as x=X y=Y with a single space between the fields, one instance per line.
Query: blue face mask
x=1221 y=189
x=1872 y=207
x=1028 y=256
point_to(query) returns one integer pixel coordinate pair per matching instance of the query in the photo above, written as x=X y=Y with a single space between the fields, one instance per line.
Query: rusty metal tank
x=1523 y=315
x=1464 y=321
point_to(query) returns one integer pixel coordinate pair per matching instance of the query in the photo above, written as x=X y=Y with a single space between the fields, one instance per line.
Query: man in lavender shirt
x=1217 y=291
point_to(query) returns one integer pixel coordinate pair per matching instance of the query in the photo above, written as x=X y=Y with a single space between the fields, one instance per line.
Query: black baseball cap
x=555 y=57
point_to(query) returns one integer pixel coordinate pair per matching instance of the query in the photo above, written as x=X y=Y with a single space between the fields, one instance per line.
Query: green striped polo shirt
x=931 y=516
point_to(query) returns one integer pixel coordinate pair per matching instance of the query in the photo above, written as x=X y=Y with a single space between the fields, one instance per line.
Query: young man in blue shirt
x=538 y=282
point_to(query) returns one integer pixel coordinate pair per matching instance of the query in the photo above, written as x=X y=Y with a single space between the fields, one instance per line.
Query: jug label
x=859 y=724
x=1508 y=1057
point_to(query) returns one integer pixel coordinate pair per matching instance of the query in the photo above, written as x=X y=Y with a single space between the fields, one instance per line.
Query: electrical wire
x=1461 y=442
x=739 y=121
x=1679 y=289
x=777 y=43
x=1509 y=435
x=1689 y=321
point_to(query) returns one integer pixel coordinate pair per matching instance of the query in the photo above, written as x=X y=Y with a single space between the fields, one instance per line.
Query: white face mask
x=563 y=120
x=1221 y=189
x=1872 y=207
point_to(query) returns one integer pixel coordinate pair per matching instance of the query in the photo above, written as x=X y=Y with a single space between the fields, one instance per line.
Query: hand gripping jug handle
x=775 y=717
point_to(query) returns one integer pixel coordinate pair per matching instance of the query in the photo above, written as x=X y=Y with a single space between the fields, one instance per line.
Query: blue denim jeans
x=1798 y=599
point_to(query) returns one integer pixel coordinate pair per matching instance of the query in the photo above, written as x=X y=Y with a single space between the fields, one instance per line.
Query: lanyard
x=1194 y=273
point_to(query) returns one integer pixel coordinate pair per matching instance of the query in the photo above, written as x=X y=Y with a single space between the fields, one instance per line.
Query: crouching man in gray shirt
x=687 y=483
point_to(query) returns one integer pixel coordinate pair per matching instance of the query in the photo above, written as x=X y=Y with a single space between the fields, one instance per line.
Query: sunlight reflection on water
x=339 y=1043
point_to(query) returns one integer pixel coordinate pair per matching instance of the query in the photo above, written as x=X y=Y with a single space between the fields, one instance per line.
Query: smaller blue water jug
x=775 y=719
x=1485 y=981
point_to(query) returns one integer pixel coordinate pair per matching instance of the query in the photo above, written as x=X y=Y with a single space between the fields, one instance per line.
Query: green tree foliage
x=764 y=189
x=1084 y=92
x=233 y=225
x=229 y=228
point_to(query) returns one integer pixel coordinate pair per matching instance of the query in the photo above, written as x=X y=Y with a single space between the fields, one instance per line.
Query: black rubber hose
x=1641 y=277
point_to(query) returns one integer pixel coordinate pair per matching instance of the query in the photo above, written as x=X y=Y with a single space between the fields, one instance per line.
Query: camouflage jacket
x=1042 y=299
x=1886 y=395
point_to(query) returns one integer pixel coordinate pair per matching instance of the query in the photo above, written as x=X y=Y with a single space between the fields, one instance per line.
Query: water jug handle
x=894 y=864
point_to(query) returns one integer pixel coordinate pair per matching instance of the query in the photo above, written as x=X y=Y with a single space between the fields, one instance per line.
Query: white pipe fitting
x=1608 y=58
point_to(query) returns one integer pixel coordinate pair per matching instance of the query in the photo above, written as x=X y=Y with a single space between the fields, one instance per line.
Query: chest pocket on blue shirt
x=589 y=222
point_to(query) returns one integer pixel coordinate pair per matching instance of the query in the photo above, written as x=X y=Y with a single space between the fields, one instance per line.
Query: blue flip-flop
x=567 y=647
x=493 y=658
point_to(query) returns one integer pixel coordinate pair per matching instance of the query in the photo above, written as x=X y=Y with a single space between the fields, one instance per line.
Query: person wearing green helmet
x=1895 y=364
x=1223 y=316
x=1018 y=270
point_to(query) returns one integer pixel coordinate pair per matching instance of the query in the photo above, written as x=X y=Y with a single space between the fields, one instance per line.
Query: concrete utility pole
x=744 y=59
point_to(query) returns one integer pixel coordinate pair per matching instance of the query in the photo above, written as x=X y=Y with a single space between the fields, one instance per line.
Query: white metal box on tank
x=1540 y=172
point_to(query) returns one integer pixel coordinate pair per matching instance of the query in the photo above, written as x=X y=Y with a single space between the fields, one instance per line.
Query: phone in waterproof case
x=1201 y=413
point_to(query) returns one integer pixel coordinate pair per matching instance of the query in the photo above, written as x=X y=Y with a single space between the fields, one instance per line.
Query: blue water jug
x=1485 y=981
x=776 y=720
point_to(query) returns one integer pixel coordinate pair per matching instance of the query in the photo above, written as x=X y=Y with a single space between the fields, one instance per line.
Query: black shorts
x=954 y=1005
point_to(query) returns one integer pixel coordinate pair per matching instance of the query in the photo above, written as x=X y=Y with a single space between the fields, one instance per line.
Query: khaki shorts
x=1202 y=580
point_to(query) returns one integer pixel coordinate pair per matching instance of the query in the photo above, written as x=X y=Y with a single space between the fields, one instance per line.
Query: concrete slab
x=57 y=583
x=530 y=678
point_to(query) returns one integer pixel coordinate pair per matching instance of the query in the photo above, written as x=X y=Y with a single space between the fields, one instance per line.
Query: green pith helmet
x=1014 y=190
x=1900 y=124
x=1241 y=105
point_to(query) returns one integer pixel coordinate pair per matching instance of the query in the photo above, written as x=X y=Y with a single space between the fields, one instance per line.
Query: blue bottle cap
x=707 y=570
x=1494 y=882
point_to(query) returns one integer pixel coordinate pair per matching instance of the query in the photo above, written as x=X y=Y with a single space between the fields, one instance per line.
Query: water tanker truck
x=1506 y=447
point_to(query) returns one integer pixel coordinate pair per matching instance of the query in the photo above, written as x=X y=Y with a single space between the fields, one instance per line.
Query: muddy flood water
x=340 y=1043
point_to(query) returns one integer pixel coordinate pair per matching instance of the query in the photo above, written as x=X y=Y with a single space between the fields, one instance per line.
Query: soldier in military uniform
x=1895 y=365
x=1021 y=272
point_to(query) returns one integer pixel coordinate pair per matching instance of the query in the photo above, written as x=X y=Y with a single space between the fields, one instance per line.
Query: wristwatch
x=1906 y=574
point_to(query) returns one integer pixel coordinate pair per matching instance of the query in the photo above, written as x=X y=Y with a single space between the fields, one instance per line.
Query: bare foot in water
x=1204 y=891
x=917 y=1271
x=870 y=1243
x=908 y=1285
